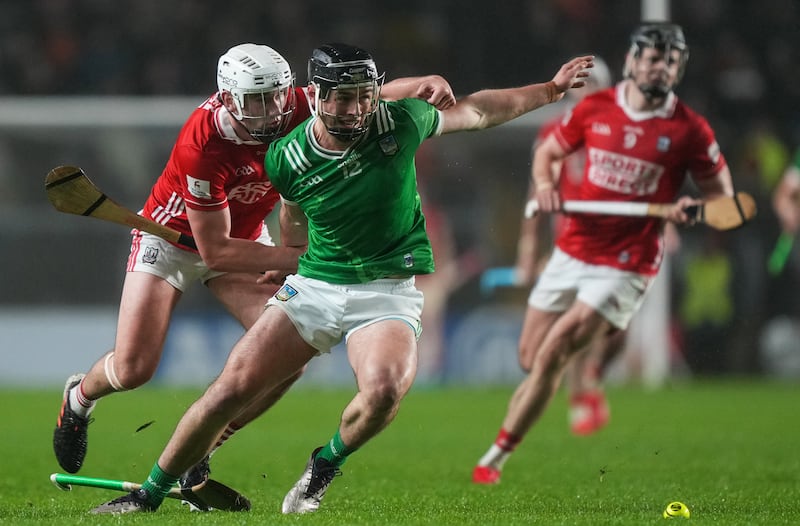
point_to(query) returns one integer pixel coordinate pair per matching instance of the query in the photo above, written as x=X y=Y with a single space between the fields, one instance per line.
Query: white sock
x=79 y=404
x=495 y=457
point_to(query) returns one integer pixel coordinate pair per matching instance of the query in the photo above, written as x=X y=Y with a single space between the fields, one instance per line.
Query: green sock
x=335 y=451
x=158 y=485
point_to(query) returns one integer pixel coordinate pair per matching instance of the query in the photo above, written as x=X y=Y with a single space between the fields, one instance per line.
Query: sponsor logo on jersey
x=351 y=165
x=623 y=173
x=244 y=170
x=662 y=145
x=199 y=188
x=713 y=152
x=150 y=255
x=311 y=181
x=389 y=145
x=601 y=128
x=249 y=193
x=285 y=293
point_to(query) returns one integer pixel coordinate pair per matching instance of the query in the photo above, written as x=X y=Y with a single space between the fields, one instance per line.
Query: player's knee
x=383 y=397
x=525 y=358
x=230 y=393
x=124 y=375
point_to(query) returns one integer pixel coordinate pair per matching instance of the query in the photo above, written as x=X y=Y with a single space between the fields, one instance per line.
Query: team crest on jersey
x=389 y=145
x=408 y=260
x=285 y=293
x=249 y=193
x=150 y=255
x=663 y=144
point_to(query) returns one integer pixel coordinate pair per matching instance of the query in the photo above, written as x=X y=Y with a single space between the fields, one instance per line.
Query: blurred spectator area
x=106 y=85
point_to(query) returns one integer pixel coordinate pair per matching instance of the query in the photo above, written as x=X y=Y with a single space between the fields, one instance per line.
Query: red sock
x=506 y=441
x=229 y=431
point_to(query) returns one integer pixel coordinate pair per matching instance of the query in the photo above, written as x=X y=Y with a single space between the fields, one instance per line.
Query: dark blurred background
x=106 y=85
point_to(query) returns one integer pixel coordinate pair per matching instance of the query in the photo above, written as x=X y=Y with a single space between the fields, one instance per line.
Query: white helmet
x=255 y=76
x=600 y=75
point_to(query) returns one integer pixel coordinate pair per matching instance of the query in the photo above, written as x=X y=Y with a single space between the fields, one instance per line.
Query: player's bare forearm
x=488 y=108
x=720 y=185
x=294 y=226
x=243 y=255
x=223 y=253
x=548 y=153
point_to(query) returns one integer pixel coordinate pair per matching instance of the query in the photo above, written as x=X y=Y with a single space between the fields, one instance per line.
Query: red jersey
x=631 y=156
x=210 y=168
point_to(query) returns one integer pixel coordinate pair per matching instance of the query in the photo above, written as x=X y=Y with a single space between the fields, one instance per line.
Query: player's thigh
x=383 y=355
x=144 y=315
x=241 y=295
x=578 y=325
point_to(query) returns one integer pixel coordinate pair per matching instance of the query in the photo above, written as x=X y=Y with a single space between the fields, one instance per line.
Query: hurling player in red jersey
x=640 y=143
x=588 y=410
x=214 y=188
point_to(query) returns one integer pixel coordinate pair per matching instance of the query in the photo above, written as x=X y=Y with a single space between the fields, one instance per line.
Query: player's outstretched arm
x=488 y=108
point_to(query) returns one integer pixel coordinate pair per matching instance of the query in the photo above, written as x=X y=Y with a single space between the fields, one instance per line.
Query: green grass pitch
x=728 y=449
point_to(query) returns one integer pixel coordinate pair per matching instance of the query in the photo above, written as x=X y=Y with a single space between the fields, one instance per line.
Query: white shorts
x=616 y=294
x=180 y=268
x=324 y=313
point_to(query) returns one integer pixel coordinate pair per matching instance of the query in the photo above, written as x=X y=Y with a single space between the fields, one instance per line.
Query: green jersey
x=364 y=214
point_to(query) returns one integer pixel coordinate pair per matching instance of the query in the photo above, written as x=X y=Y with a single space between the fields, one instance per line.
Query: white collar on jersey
x=665 y=111
x=320 y=150
x=222 y=118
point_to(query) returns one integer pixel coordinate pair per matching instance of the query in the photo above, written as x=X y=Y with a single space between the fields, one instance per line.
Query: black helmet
x=342 y=66
x=663 y=36
x=334 y=66
x=659 y=35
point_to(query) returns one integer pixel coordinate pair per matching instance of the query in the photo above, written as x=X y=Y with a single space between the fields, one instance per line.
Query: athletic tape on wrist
x=552 y=91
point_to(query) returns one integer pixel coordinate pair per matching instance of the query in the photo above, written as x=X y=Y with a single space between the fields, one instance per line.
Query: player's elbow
x=214 y=258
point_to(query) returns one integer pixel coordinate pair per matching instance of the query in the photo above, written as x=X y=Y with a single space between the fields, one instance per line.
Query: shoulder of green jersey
x=384 y=120
x=296 y=157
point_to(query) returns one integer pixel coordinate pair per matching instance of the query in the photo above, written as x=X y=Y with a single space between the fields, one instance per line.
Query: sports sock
x=226 y=434
x=78 y=402
x=157 y=485
x=335 y=451
x=498 y=453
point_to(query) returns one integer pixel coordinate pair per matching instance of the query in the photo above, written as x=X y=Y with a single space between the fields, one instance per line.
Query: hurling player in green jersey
x=349 y=192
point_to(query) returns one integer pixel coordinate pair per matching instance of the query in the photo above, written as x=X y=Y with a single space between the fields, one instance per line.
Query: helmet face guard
x=261 y=84
x=347 y=76
x=666 y=38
